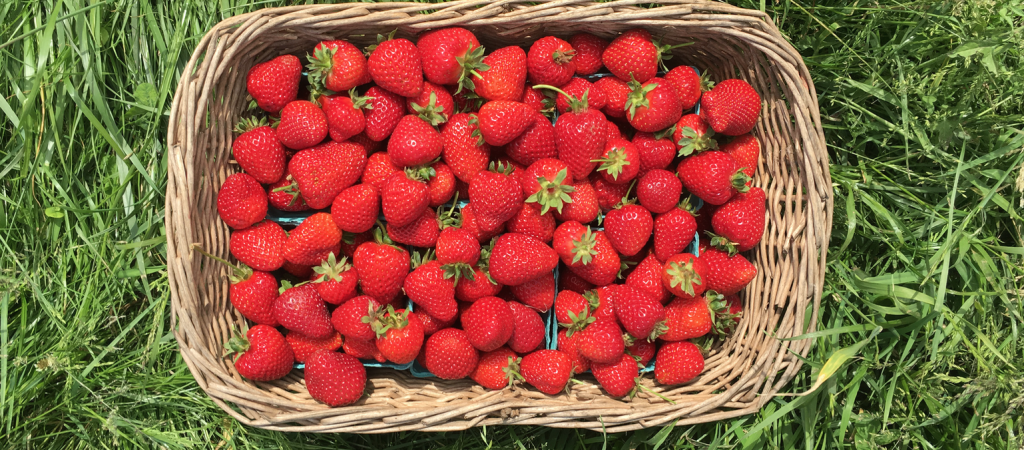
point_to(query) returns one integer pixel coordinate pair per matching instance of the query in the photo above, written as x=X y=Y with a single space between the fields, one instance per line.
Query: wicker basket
x=740 y=376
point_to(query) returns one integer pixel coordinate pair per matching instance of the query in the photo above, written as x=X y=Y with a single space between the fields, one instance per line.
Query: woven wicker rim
x=741 y=375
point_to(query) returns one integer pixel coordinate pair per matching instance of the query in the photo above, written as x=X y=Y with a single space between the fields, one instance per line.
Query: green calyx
x=432 y=113
x=613 y=163
x=739 y=181
x=501 y=168
x=686 y=205
x=577 y=322
x=472 y=64
x=250 y=123
x=380 y=235
x=484 y=264
x=706 y=84
x=668 y=132
x=724 y=244
x=552 y=193
x=691 y=142
x=576 y=105
x=449 y=218
x=585 y=248
x=421 y=258
x=320 y=64
x=638 y=96
x=512 y=370
x=359 y=101
x=474 y=122
x=458 y=271
x=422 y=173
x=332 y=269
x=683 y=276
x=238 y=344
x=239 y=273
x=388 y=321
x=664 y=52
x=380 y=38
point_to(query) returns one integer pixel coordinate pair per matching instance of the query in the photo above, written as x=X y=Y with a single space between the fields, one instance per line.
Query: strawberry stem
x=576 y=105
x=238 y=274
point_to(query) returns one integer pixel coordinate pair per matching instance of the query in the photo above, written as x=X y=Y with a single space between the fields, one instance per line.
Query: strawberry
x=449 y=55
x=469 y=223
x=547 y=370
x=537 y=101
x=616 y=94
x=253 y=293
x=379 y=170
x=241 y=201
x=659 y=191
x=322 y=172
x=432 y=324
x=303 y=125
x=569 y=344
x=531 y=222
x=404 y=198
x=620 y=162
x=550 y=61
x=731 y=107
x=449 y=355
x=692 y=135
x=686 y=318
x=313 y=240
x=501 y=121
x=505 y=76
x=654 y=152
x=628 y=228
x=265 y=355
x=300 y=309
x=489 y=323
x=587 y=253
x=284 y=194
x=739 y=223
x=580 y=136
x=518 y=258
x=609 y=195
x=687 y=85
x=613 y=131
x=492 y=370
x=362 y=349
x=414 y=142
x=297 y=270
x=713 y=176
x=678 y=363
x=653 y=105
x=528 y=331
x=633 y=55
x=260 y=246
x=258 y=151
x=567 y=280
x=464 y=148
x=423 y=232
x=382 y=268
x=646 y=277
x=570 y=308
x=304 y=346
x=588 y=52
x=641 y=315
x=577 y=87
x=274 y=83
x=534 y=144
x=433 y=292
x=496 y=197
x=399 y=335
x=441 y=185
x=601 y=342
x=620 y=378
x=642 y=349
x=481 y=285
x=538 y=293
x=673 y=232
x=584 y=207
x=548 y=184
x=745 y=149
x=356 y=208
x=726 y=274
x=337 y=66
x=394 y=64
x=347 y=319
x=335 y=280
x=337 y=379
x=344 y=115
x=685 y=275
x=386 y=110
x=434 y=99
x=371 y=146
x=457 y=246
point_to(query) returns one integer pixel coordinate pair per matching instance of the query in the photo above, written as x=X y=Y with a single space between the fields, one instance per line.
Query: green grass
x=922 y=108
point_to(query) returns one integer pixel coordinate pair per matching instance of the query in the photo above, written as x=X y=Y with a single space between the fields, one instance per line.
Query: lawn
x=923 y=109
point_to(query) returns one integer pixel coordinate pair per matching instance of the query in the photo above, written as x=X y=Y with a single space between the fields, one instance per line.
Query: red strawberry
x=395 y=65
x=620 y=162
x=534 y=144
x=464 y=148
x=386 y=109
x=588 y=52
x=434 y=100
x=739 y=223
x=457 y=246
x=633 y=55
x=469 y=223
x=655 y=153
x=433 y=292
x=687 y=84
x=481 y=285
x=547 y=370
x=641 y=315
x=501 y=121
x=584 y=207
x=614 y=132
x=550 y=61
x=659 y=191
x=571 y=302
x=303 y=125
x=423 y=232
x=414 y=142
x=567 y=280
x=441 y=185
x=745 y=149
x=491 y=372
x=538 y=293
x=301 y=309
x=322 y=172
x=313 y=240
x=251 y=292
x=601 y=342
x=713 y=176
x=587 y=253
x=274 y=83
x=362 y=349
x=505 y=77
x=537 y=101
x=489 y=323
x=336 y=379
x=297 y=270
x=653 y=105
x=580 y=136
x=569 y=344
x=337 y=66
x=692 y=135
x=647 y=277
x=449 y=55
x=531 y=222
x=382 y=269
x=449 y=355
x=399 y=335
x=496 y=197
x=518 y=258
x=616 y=94
x=528 y=331
x=260 y=246
x=432 y=324
x=379 y=169
x=304 y=346
x=628 y=228
x=344 y=115
x=678 y=363
x=686 y=318
x=355 y=209
x=685 y=275
x=727 y=275
x=347 y=319
x=609 y=195
x=241 y=201
x=596 y=97
x=404 y=198
x=258 y=151
x=548 y=184
x=673 y=232
x=284 y=195
x=619 y=378
x=731 y=107
x=266 y=355
x=335 y=280
x=642 y=349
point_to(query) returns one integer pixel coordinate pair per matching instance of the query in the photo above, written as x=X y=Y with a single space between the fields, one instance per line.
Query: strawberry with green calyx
x=505 y=76
x=450 y=56
x=434 y=104
x=441 y=186
x=415 y=140
x=568 y=343
x=429 y=287
x=539 y=101
x=578 y=87
x=251 y=292
x=547 y=370
x=692 y=135
x=642 y=349
x=731 y=107
x=620 y=162
x=572 y=309
x=727 y=274
x=302 y=310
x=580 y=134
x=674 y=230
x=687 y=85
x=275 y=83
x=652 y=105
x=496 y=368
x=480 y=284
x=304 y=346
x=258 y=151
x=406 y=196
x=739 y=223
x=382 y=267
x=284 y=194
x=628 y=227
x=550 y=61
x=641 y=315
x=264 y=354
x=337 y=379
x=241 y=201
x=586 y=252
x=399 y=335
x=620 y=378
x=713 y=176
x=352 y=319
x=337 y=66
x=496 y=196
x=585 y=206
x=260 y=246
x=395 y=65
x=465 y=151
x=548 y=184
x=335 y=280
x=678 y=363
x=685 y=275
x=344 y=114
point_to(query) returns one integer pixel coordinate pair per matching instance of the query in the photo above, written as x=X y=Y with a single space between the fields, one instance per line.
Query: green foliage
x=919 y=344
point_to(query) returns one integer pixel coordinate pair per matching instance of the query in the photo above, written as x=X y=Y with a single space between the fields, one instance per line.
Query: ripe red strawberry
x=620 y=162
x=577 y=87
x=686 y=318
x=464 y=148
x=457 y=246
x=313 y=240
x=641 y=349
x=739 y=223
x=678 y=363
x=322 y=172
x=528 y=331
x=441 y=185
x=265 y=355
x=619 y=378
x=258 y=151
x=571 y=302
x=501 y=121
x=347 y=319
x=449 y=55
x=609 y=195
x=673 y=232
x=432 y=324
x=538 y=293
x=659 y=191
x=731 y=107
x=567 y=280
x=685 y=275
x=241 y=201
x=531 y=222
x=692 y=135
x=687 y=84
x=274 y=83
x=613 y=131
x=344 y=115
x=587 y=253
x=550 y=61
x=505 y=77
x=434 y=100
x=602 y=302
x=641 y=315
x=628 y=228
x=260 y=246
x=547 y=184
x=534 y=144
x=355 y=209
x=297 y=270
x=449 y=355
x=646 y=277
x=303 y=125
x=491 y=372
x=337 y=66
x=284 y=195
x=653 y=105
x=399 y=335
x=580 y=136
x=301 y=309
x=745 y=149
x=727 y=275
x=253 y=293
x=547 y=370
x=431 y=291
x=414 y=142
x=569 y=344
x=518 y=258
x=404 y=198
x=713 y=176
x=386 y=109
x=601 y=342
x=337 y=379
x=335 y=280
x=633 y=55
x=379 y=170
x=469 y=223
x=588 y=52
x=395 y=65
x=382 y=269
x=362 y=349
x=655 y=153
x=304 y=346
x=481 y=285
x=496 y=197
x=584 y=207
x=423 y=232
x=616 y=94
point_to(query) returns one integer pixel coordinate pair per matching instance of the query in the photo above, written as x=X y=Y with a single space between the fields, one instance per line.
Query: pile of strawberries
x=597 y=192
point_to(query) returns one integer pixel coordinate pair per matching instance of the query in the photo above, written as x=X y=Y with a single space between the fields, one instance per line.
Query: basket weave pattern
x=740 y=375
